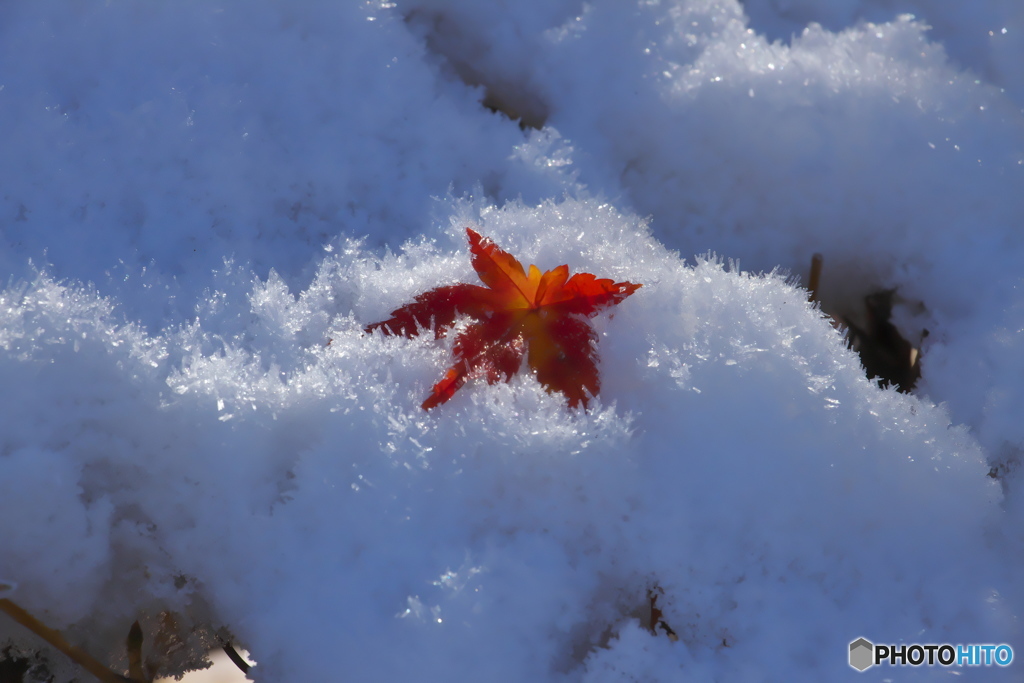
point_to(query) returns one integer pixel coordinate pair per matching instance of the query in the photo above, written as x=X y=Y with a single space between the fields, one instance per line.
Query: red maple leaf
x=541 y=316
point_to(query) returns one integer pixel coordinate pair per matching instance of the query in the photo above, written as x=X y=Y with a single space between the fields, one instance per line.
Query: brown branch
x=54 y=638
x=134 y=645
x=815 y=279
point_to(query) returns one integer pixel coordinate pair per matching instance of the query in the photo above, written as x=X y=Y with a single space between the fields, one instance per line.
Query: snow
x=204 y=204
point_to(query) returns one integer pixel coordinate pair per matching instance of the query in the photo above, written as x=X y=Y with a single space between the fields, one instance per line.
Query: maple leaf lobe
x=541 y=316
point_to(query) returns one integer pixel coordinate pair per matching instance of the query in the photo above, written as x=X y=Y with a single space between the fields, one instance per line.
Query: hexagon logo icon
x=862 y=654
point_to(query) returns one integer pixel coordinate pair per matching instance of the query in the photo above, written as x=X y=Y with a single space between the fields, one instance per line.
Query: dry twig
x=55 y=639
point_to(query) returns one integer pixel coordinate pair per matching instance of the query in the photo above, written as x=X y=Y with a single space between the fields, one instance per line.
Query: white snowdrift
x=295 y=490
x=203 y=205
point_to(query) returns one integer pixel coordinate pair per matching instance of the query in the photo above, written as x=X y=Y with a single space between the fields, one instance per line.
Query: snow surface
x=203 y=204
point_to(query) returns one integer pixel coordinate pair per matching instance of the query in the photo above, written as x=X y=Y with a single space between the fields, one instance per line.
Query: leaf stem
x=233 y=655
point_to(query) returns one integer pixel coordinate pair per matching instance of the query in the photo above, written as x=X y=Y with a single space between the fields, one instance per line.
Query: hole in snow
x=467 y=56
x=221 y=670
x=1006 y=464
x=886 y=354
x=14 y=668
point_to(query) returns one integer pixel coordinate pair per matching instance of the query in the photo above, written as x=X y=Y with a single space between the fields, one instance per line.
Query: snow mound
x=292 y=490
x=160 y=139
